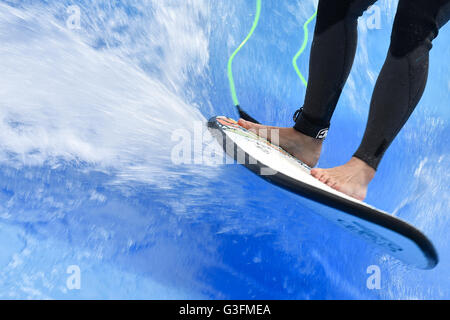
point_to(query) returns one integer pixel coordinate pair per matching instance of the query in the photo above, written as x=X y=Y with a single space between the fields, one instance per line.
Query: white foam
x=62 y=99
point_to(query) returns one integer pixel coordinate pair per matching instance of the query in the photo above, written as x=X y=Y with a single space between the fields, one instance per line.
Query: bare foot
x=301 y=146
x=352 y=178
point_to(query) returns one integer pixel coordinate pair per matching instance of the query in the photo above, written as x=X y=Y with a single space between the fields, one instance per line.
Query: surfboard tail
x=244 y=115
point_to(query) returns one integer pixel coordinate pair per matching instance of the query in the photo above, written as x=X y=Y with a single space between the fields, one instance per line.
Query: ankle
x=367 y=171
x=307 y=139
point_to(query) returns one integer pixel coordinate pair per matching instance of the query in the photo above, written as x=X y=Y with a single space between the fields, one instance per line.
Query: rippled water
x=87 y=117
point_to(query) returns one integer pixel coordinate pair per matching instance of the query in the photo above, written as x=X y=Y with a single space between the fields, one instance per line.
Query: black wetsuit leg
x=332 y=55
x=402 y=80
x=400 y=84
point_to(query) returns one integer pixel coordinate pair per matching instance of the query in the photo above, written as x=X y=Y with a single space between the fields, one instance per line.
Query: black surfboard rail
x=328 y=199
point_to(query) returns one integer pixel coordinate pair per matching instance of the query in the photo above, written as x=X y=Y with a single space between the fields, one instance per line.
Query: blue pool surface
x=89 y=116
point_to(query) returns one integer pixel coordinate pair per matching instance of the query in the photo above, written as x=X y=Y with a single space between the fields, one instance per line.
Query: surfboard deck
x=390 y=234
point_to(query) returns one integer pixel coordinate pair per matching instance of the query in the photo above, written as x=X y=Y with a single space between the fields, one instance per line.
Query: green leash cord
x=230 y=61
x=242 y=113
x=299 y=53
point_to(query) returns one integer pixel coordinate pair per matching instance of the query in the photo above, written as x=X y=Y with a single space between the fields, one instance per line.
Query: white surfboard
x=392 y=235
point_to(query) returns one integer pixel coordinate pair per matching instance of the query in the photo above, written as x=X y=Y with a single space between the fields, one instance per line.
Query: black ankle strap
x=306 y=126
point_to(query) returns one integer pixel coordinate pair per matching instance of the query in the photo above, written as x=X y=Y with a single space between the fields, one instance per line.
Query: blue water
x=86 y=178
